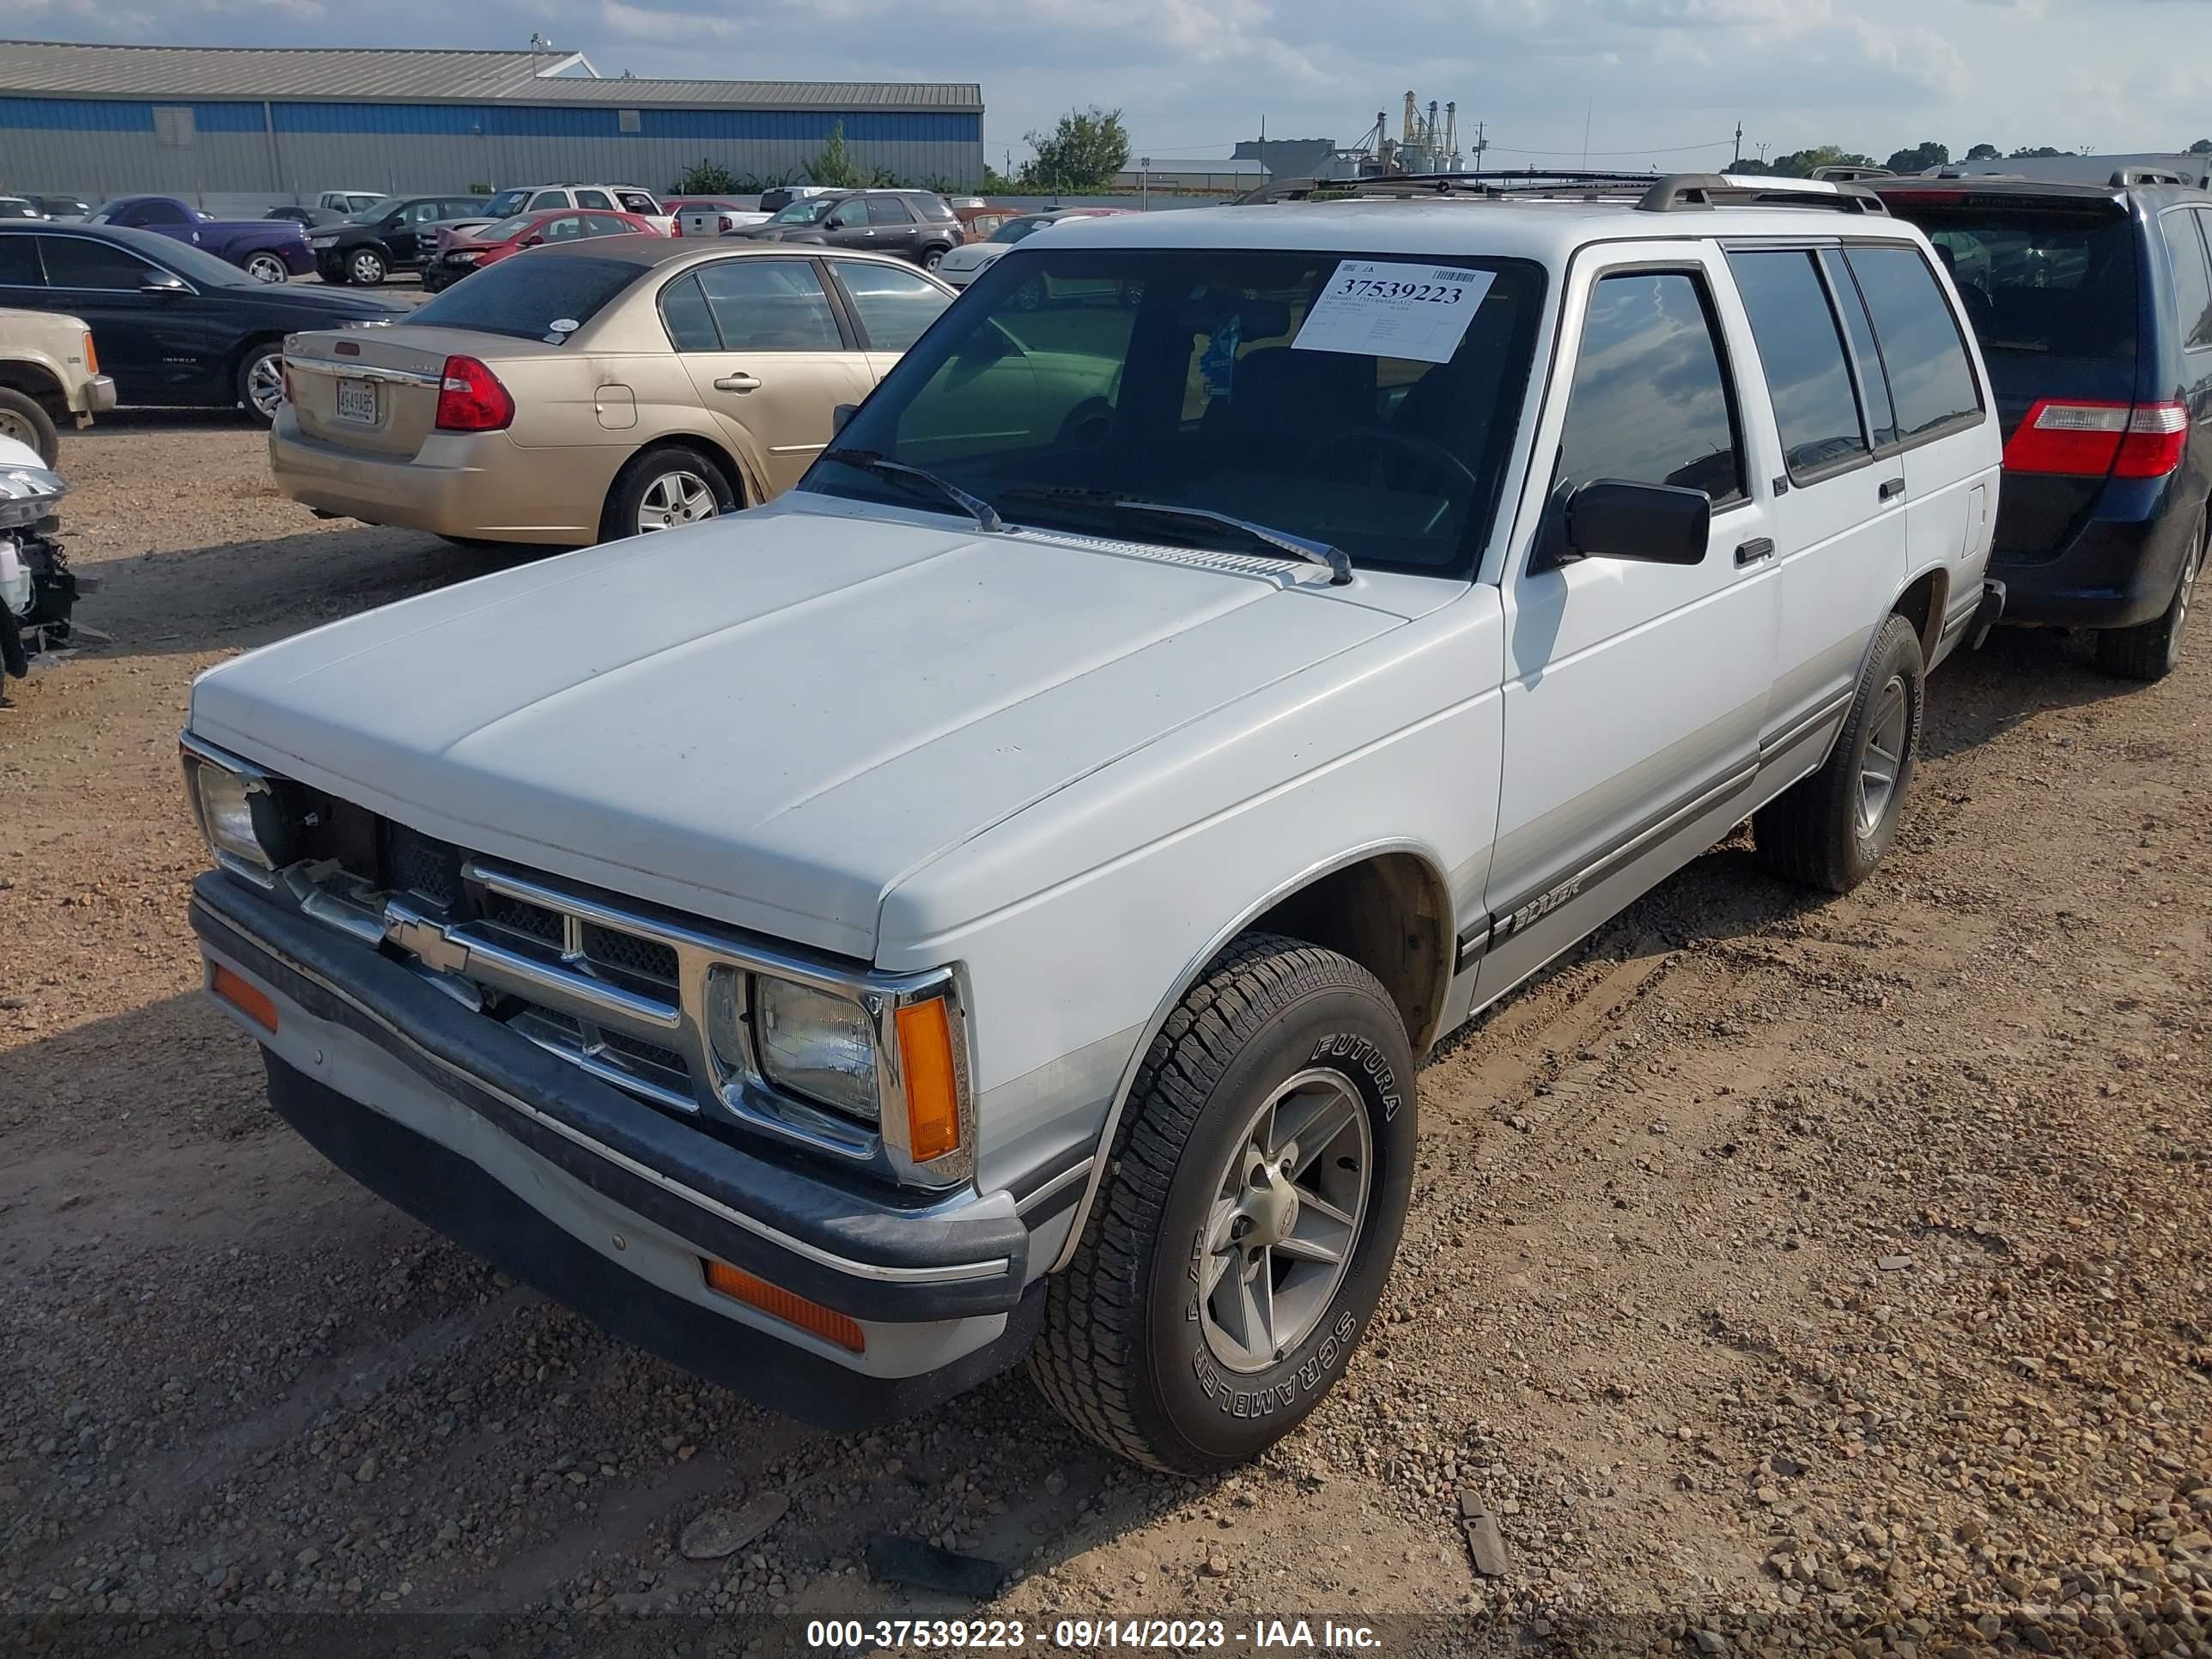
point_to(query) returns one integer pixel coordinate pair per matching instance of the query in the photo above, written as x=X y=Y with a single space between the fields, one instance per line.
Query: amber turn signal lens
x=779 y=1303
x=91 y=357
x=253 y=1004
x=932 y=1091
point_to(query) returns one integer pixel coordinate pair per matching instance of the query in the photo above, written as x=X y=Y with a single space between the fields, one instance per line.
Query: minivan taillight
x=471 y=399
x=2085 y=440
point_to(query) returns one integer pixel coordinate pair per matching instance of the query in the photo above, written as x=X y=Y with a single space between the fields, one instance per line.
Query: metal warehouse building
x=100 y=121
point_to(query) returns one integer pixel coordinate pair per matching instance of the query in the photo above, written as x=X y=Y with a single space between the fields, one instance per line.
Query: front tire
x=1257 y=1188
x=2152 y=650
x=266 y=268
x=1829 y=831
x=23 y=418
x=667 y=488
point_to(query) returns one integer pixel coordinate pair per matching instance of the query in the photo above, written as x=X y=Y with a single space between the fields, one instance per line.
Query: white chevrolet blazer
x=992 y=901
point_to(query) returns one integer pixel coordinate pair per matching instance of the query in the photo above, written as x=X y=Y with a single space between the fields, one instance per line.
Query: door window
x=636 y=201
x=566 y=229
x=1651 y=401
x=849 y=216
x=80 y=262
x=19 y=263
x=2192 y=281
x=1866 y=356
x=1802 y=354
x=156 y=213
x=685 y=314
x=548 y=198
x=604 y=224
x=422 y=213
x=1931 y=379
x=888 y=210
x=593 y=199
x=769 y=305
x=894 y=306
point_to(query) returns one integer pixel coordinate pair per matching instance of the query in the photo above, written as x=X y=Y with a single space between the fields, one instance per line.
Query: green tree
x=834 y=167
x=996 y=183
x=2038 y=153
x=2202 y=147
x=1083 y=152
x=1920 y=158
x=1984 y=153
x=704 y=177
x=1800 y=163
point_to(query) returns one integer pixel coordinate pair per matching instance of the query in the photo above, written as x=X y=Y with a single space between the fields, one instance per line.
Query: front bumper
x=95 y=396
x=606 y=1204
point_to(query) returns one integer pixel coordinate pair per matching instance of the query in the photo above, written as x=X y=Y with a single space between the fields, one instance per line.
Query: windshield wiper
x=867 y=460
x=1331 y=558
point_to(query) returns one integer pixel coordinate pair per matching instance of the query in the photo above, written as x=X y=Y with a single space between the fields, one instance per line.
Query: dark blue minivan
x=2094 y=305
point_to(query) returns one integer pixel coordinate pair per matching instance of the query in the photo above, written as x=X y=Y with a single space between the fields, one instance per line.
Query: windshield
x=1070 y=379
x=1014 y=229
x=525 y=297
x=807 y=212
x=507 y=201
x=376 y=211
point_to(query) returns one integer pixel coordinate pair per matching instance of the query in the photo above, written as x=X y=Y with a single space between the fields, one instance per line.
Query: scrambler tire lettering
x=1308 y=1379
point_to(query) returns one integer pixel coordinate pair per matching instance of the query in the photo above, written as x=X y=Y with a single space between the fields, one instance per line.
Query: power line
x=1641 y=149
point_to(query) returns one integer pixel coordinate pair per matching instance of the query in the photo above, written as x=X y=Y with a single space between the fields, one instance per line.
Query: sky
x=1632 y=84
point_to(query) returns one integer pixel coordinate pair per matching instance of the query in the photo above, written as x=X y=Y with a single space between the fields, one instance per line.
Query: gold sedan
x=591 y=390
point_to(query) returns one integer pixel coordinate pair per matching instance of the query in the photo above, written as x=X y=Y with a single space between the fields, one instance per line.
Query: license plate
x=358 y=401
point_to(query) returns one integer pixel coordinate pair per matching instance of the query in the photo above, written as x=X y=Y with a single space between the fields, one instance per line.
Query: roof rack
x=2122 y=176
x=1649 y=192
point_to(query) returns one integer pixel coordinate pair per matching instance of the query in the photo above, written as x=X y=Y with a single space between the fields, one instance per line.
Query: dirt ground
x=1784 y=1274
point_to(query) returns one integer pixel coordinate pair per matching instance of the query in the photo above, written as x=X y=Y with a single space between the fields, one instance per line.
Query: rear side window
x=894 y=306
x=1802 y=353
x=888 y=210
x=525 y=297
x=769 y=305
x=80 y=262
x=2192 y=281
x=1651 y=401
x=1866 y=356
x=1931 y=380
x=19 y=263
x=933 y=207
x=604 y=224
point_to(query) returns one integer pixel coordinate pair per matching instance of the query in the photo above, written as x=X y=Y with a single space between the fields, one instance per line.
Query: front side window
x=1802 y=354
x=1931 y=379
x=422 y=213
x=2192 y=281
x=769 y=305
x=1650 y=402
x=79 y=262
x=154 y=213
x=808 y=211
x=593 y=199
x=548 y=198
x=1078 y=387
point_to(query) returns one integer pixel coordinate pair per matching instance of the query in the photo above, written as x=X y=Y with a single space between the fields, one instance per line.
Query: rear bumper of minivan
x=472 y=485
x=2115 y=572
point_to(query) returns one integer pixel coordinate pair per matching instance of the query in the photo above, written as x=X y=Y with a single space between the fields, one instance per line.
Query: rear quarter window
x=1931 y=379
x=2192 y=279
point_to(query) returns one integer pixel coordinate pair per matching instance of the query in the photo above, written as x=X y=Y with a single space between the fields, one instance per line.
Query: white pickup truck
x=993 y=900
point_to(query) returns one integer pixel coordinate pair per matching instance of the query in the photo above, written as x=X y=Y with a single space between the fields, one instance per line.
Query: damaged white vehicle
x=991 y=902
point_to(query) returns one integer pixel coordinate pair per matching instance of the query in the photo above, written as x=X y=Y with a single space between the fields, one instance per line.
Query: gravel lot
x=1784 y=1275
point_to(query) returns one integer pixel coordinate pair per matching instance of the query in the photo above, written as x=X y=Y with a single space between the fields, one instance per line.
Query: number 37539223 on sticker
x=1394 y=309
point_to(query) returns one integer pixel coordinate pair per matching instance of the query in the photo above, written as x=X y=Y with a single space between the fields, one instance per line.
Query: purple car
x=270 y=249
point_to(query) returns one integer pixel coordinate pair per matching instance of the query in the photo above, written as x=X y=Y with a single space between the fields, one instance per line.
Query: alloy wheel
x=1286 y=1219
x=1884 y=760
x=675 y=499
x=265 y=384
x=266 y=268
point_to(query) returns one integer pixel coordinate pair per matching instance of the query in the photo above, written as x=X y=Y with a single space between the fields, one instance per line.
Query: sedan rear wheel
x=266 y=268
x=261 y=383
x=666 y=489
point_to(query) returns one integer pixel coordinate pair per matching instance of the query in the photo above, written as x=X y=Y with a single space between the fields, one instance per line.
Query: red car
x=477 y=249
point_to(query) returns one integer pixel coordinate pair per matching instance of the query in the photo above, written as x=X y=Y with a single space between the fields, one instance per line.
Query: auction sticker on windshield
x=1379 y=309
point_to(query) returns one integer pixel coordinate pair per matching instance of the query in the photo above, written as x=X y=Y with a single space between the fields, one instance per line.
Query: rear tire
x=1159 y=1342
x=1829 y=831
x=2152 y=650
x=662 y=483
x=367 y=267
x=24 y=418
x=261 y=381
x=266 y=268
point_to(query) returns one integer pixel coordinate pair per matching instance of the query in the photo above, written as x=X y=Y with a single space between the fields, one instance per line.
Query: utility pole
x=1481 y=143
x=1738 y=145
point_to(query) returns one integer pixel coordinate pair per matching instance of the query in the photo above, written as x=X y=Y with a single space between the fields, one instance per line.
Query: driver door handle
x=1751 y=552
x=1892 y=489
x=738 y=382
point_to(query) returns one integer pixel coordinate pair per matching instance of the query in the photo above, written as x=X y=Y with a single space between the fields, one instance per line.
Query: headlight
x=815 y=1045
x=244 y=823
x=28 y=494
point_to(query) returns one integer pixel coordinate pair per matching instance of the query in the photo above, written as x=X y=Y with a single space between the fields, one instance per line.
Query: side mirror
x=533 y=241
x=841 y=414
x=391 y=223
x=1615 y=518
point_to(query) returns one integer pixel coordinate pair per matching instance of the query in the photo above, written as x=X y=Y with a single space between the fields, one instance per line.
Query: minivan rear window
x=526 y=295
x=2039 y=282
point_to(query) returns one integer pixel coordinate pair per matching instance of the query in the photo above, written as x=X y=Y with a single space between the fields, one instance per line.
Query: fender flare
x=1188 y=977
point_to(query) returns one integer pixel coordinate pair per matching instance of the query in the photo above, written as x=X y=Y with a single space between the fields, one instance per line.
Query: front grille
x=422 y=865
x=648 y=958
x=531 y=921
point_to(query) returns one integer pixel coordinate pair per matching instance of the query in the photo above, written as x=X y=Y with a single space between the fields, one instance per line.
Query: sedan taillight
x=471 y=399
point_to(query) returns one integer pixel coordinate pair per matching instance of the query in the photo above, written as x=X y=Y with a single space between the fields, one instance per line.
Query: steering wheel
x=1425 y=451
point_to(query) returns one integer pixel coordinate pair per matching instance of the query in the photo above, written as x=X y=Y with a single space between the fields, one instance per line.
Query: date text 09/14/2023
x=1089 y=1635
